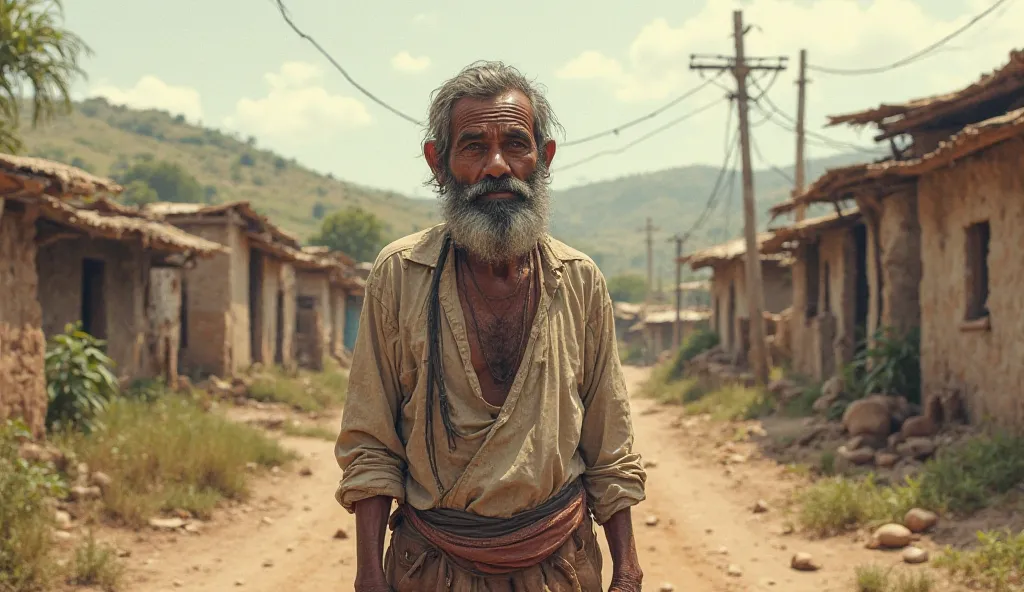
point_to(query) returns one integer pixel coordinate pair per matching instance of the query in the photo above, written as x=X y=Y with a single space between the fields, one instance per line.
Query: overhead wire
x=288 y=19
x=914 y=57
x=617 y=129
x=766 y=162
x=642 y=138
x=731 y=142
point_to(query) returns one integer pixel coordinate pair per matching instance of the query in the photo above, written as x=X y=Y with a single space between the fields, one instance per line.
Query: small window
x=826 y=284
x=977 y=271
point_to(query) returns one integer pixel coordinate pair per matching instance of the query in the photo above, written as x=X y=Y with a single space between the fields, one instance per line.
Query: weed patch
x=732 y=403
x=96 y=565
x=305 y=391
x=872 y=578
x=171 y=455
x=997 y=564
x=305 y=431
x=833 y=506
x=967 y=477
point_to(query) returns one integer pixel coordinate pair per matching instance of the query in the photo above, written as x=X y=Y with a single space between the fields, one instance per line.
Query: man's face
x=494 y=184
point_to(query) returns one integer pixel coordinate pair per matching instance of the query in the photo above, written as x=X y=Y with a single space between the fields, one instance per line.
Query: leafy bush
x=833 y=506
x=26 y=562
x=696 y=343
x=312 y=391
x=996 y=565
x=968 y=477
x=96 y=565
x=890 y=364
x=79 y=380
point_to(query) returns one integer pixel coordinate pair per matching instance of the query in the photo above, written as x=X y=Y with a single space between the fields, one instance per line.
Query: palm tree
x=38 y=57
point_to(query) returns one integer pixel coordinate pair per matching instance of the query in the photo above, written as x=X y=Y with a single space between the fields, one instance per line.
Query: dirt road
x=284 y=539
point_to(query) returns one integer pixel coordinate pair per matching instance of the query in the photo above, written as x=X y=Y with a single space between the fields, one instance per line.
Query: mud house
x=656 y=329
x=965 y=159
x=239 y=307
x=60 y=263
x=828 y=317
x=729 y=309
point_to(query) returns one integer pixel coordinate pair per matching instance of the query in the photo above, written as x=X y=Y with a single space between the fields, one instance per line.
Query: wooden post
x=801 y=116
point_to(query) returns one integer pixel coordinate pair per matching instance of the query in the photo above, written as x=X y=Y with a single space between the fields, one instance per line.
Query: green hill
x=100 y=138
x=603 y=219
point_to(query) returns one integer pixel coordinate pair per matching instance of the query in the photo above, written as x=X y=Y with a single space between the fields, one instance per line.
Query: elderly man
x=486 y=394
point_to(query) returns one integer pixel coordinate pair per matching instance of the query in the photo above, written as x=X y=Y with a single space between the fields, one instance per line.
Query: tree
x=353 y=231
x=246 y=159
x=38 y=57
x=170 y=181
x=138 y=193
x=627 y=288
x=319 y=211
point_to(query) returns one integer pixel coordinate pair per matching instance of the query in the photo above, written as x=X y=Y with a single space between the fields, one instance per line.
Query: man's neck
x=499 y=270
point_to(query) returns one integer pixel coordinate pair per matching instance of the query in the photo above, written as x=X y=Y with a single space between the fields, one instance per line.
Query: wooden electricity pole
x=801 y=84
x=676 y=327
x=741 y=66
x=650 y=230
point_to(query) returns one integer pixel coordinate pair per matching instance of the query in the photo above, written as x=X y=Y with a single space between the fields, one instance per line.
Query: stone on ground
x=893 y=536
x=870 y=416
x=918 y=426
x=918 y=520
x=804 y=562
x=915 y=555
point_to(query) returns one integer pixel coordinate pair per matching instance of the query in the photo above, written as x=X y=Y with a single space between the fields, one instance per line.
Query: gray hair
x=485 y=80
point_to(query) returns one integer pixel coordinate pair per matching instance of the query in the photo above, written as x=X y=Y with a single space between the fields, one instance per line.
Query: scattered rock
x=666 y=587
x=918 y=520
x=268 y=563
x=861 y=456
x=917 y=448
x=275 y=470
x=760 y=507
x=894 y=440
x=251 y=466
x=239 y=583
x=192 y=528
x=787 y=529
x=62 y=536
x=178 y=584
x=918 y=427
x=267 y=520
x=102 y=480
x=892 y=536
x=886 y=460
x=734 y=571
x=340 y=534
x=723 y=551
x=737 y=459
x=869 y=416
x=289 y=549
x=33 y=452
x=650 y=464
x=166 y=523
x=651 y=521
x=804 y=562
x=306 y=472
x=80 y=493
x=63 y=520
x=124 y=553
x=830 y=393
x=915 y=555
x=777 y=387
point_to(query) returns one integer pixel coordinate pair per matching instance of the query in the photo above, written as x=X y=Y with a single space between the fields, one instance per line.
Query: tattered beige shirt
x=566 y=415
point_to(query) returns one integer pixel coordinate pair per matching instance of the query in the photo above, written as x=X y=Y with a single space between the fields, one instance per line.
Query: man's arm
x=369 y=449
x=614 y=478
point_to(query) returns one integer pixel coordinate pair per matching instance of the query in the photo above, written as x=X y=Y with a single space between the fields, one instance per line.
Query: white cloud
x=297 y=104
x=152 y=93
x=839 y=33
x=404 y=61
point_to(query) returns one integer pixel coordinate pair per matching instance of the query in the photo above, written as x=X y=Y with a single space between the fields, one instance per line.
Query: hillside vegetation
x=603 y=219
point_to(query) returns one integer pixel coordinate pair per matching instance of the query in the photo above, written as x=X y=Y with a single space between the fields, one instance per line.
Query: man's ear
x=433 y=160
x=549 y=152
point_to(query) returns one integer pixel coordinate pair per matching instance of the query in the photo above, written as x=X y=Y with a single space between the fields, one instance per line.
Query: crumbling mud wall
x=241 y=339
x=338 y=298
x=901 y=269
x=268 y=310
x=778 y=286
x=164 y=314
x=728 y=292
x=315 y=337
x=125 y=269
x=289 y=291
x=206 y=342
x=981 y=358
x=22 y=345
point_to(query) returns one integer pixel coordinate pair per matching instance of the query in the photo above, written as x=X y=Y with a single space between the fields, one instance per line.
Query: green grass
x=732 y=403
x=873 y=578
x=306 y=391
x=96 y=565
x=803 y=405
x=996 y=565
x=171 y=455
x=306 y=431
x=962 y=479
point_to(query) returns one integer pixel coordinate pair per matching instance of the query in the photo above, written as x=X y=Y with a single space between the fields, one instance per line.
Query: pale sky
x=235 y=64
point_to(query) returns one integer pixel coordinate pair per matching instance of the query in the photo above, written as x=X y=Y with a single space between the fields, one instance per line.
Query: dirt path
x=284 y=539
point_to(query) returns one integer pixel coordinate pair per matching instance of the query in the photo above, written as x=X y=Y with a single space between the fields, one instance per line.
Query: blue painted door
x=353 y=306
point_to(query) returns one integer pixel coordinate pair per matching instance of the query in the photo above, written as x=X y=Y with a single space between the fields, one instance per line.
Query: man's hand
x=626 y=573
x=371 y=524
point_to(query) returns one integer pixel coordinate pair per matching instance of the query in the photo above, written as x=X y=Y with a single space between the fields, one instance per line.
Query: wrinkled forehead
x=507 y=111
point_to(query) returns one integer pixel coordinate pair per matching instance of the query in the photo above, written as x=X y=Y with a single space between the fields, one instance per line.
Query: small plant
x=312 y=391
x=26 y=561
x=732 y=403
x=696 y=343
x=79 y=379
x=889 y=364
x=96 y=565
x=836 y=505
x=872 y=578
x=913 y=582
x=968 y=477
x=997 y=564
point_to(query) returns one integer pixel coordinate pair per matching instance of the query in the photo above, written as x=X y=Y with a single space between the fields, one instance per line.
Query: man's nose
x=496 y=166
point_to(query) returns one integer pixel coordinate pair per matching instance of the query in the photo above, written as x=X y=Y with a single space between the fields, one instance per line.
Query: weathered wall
x=778 y=287
x=316 y=285
x=22 y=345
x=289 y=289
x=986 y=365
x=900 y=234
x=778 y=295
x=208 y=302
x=125 y=274
x=338 y=298
x=164 y=313
x=241 y=339
x=271 y=287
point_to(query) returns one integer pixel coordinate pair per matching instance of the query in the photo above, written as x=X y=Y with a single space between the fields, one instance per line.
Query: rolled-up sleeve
x=614 y=478
x=369 y=449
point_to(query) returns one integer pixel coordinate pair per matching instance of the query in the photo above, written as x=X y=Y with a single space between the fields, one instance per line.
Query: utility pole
x=650 y=230
x=677 y=328
x=741 y=66
x=801 y=84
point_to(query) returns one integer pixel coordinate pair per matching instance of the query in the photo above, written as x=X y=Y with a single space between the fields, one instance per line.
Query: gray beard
x=497 y=231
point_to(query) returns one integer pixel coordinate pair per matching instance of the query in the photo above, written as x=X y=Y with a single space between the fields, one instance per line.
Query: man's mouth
x=498 y=195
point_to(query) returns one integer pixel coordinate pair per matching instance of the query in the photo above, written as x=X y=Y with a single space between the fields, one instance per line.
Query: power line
x=642 y=138
x=760 y=156
x=914 y=56
x=287 y=18
x=731 y=141
x=641 y=119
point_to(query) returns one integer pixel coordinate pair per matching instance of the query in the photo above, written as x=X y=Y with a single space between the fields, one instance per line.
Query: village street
x=285 y=538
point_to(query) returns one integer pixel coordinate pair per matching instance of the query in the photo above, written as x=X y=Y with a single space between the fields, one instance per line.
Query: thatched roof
x=153 y=235
x=28 y=176
x=722 y=253
x=1004 y=84
x=809 y=229
x=258 y=223
x=891 y=176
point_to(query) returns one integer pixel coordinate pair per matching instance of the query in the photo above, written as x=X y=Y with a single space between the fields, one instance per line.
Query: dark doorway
x=94 y=308
x=279 y=334
x=812 y=279
x=256 y=305
x=862 y=296
x=732 y=315
x=183 y=316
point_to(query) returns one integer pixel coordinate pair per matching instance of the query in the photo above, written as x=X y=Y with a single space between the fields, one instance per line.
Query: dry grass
x=171 y=455
x=96 y=565
x=309 y=431
x=304 y=391
x=872 y=578
x=732 y=403
x=996 y=565
x=835 y=505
